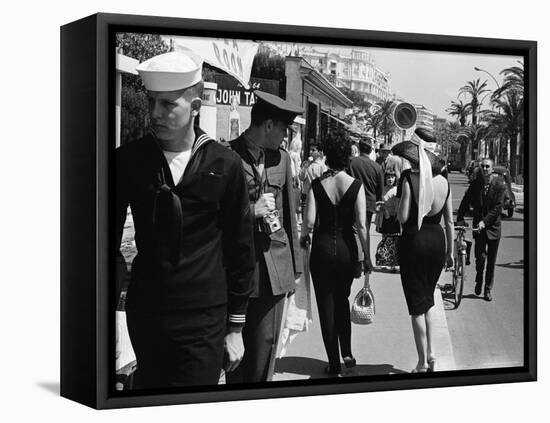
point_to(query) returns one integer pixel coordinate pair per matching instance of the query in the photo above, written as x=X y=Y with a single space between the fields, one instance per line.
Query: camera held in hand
x=270 y=223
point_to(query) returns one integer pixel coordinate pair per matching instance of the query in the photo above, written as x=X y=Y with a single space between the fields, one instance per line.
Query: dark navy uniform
x=192 y=275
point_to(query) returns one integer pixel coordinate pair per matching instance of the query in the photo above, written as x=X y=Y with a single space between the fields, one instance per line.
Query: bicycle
x=461 y=260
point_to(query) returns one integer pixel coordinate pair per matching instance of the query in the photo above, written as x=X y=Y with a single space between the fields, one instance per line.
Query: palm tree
x=387 y=125
x=474 y=89
x=374 y=122
x=513 y=81
x=508 y=122
x=455 y=128
x=474 y=133
x=460 y=110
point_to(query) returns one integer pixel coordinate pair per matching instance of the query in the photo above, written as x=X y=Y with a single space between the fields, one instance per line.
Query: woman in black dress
x=424 y=248
x=335 y=203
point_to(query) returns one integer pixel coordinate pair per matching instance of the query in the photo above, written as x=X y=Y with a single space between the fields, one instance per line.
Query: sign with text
x=232 y=56
x=229 y=88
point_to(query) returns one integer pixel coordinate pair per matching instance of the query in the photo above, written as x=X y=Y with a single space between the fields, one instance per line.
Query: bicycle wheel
x=459 y=278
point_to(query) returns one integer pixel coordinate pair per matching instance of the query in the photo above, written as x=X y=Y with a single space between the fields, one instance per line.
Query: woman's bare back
x=336 y=186
x=441 y=189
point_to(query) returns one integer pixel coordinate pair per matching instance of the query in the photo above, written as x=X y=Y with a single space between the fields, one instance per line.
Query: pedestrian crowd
x=219 y=246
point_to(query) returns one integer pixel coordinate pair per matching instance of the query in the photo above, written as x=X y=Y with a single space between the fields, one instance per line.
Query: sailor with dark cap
x=191 y=278
x=268 y=172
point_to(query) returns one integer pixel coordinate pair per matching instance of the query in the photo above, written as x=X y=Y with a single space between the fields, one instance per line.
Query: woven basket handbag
x=363 y=307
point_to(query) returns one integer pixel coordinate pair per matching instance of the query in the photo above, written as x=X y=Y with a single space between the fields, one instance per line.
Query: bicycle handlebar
x=464 y=228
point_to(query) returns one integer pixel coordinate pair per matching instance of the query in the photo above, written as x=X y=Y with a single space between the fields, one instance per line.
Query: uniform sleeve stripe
x=237 y=318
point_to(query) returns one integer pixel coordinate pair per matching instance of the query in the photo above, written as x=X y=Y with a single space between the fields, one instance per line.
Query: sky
x=429 y=78
x=434 y=78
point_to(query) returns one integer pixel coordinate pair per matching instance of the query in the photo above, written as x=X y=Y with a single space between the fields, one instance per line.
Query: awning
x=340 y=121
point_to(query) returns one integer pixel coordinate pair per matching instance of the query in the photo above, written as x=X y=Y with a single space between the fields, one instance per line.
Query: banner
x=232 y=56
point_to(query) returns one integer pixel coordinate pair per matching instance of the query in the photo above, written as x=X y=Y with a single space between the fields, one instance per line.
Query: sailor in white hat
x=174 y=85
x=190 y=281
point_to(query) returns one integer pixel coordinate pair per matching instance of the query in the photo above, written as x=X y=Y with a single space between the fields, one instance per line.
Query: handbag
x=363 y=307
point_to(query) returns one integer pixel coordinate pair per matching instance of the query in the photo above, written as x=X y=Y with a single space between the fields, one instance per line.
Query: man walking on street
x=268 y=174
x=315 y=169
x=383 y=153
x=485 y=195
x=191 y=278
x=370 y=174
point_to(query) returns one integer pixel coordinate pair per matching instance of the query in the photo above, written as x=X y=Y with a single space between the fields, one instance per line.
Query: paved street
x=476 y=335
x=491 y=334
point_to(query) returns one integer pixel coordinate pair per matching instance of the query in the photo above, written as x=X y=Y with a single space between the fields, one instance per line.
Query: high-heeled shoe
x=420 y=369
x=350 y=362
x=431 y=364
x=333 y=372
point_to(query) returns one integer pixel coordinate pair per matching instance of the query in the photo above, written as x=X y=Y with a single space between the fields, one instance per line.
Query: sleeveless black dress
x=333 y=257
x=421 y=255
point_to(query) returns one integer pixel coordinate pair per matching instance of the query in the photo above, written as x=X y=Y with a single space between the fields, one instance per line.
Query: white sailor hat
x=171 y=71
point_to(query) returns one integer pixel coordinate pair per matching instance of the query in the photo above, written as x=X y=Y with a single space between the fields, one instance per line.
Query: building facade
x=356 y=71
x=425 y=117
x=323 y=103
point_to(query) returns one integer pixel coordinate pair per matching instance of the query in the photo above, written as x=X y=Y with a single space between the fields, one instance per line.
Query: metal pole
x=488 y=73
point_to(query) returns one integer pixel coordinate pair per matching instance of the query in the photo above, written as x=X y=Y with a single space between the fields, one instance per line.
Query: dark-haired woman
x=335 y=203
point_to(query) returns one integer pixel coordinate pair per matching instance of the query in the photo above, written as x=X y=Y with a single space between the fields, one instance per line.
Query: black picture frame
x=87 y=125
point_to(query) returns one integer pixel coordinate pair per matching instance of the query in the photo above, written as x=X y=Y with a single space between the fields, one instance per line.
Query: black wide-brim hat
x=409 y=151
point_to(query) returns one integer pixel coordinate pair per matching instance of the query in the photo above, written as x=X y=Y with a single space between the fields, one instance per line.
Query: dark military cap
x=272 y=107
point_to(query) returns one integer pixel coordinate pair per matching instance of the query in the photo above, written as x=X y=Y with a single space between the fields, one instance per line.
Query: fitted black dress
x=333 y=258
x=421 y=255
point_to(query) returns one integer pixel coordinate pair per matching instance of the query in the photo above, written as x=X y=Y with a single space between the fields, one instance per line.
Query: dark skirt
x=421 y=260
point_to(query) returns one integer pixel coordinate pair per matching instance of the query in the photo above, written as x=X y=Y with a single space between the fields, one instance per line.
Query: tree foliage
x=134 y=119
x=508 y=122
x=268 y=65
x=513 y=82
x=474 y=89
x=357 y=97
x=460 y=111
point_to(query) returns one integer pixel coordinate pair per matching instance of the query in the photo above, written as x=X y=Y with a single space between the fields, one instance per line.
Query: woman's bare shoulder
x=441 y=185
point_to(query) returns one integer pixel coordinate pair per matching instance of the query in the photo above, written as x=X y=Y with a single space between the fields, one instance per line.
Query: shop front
x=324 y=104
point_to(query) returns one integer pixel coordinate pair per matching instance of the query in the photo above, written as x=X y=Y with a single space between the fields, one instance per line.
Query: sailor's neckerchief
x=169 y=202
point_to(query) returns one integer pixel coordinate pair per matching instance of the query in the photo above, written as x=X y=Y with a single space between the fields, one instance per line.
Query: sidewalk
x=516 y=187
x=384 y=347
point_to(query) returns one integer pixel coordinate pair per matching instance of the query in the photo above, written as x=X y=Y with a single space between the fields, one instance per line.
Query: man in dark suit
x=485 y=195
x=268 y=173
x=370 y=174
